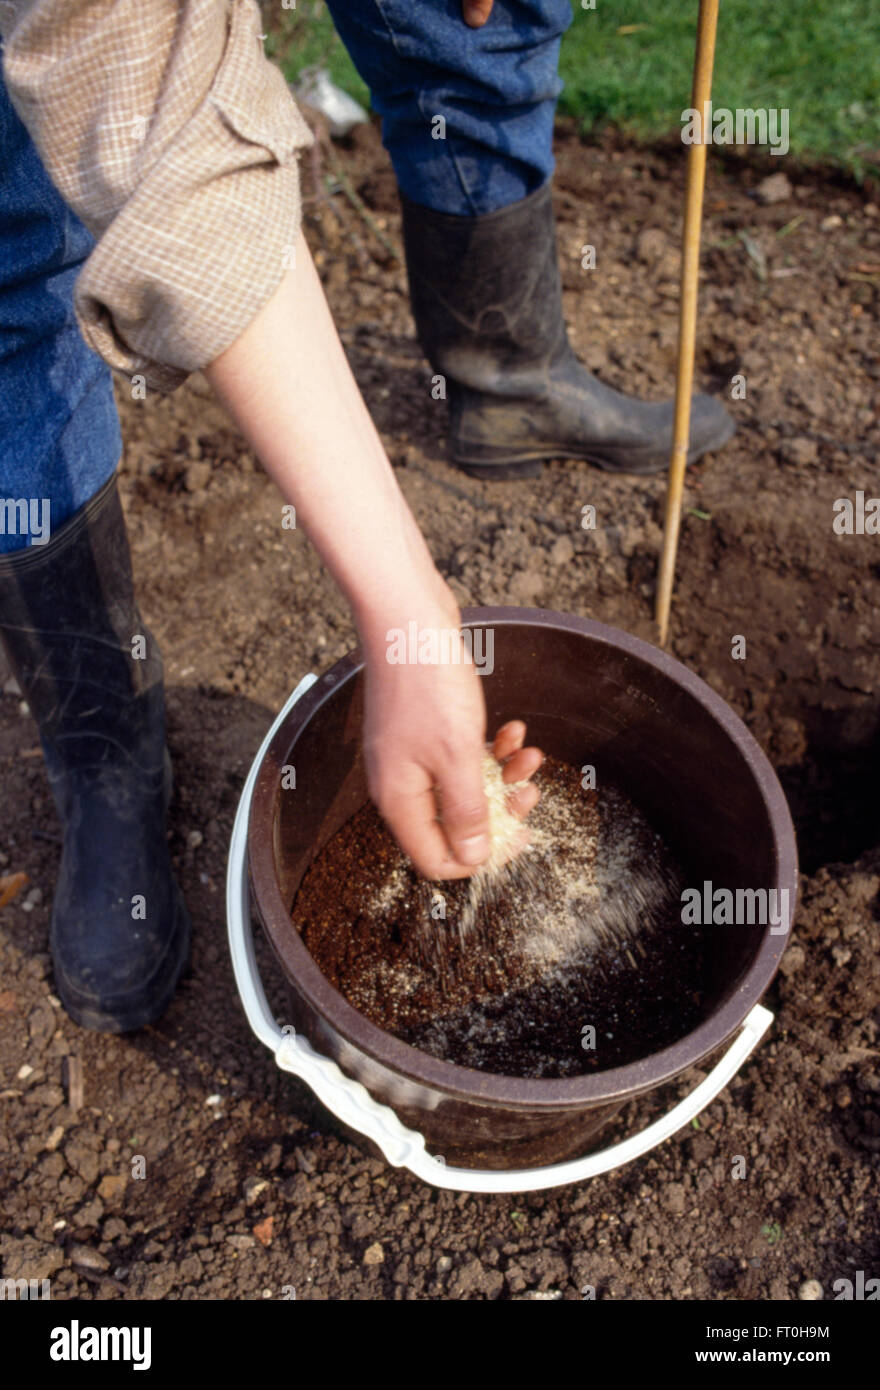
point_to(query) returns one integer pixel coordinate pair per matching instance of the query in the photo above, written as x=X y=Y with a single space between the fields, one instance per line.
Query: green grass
x=820 y=59
x=304 y=38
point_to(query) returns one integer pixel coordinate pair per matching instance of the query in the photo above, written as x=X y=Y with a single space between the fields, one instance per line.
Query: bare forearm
x=288 y=385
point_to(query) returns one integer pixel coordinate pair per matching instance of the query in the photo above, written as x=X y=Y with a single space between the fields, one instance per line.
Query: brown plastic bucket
x=589 y=694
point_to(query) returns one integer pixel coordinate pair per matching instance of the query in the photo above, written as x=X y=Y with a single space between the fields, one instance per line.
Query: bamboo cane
x=707 y=23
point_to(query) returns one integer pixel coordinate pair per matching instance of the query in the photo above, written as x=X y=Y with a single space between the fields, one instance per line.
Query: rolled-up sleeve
x=175 y=140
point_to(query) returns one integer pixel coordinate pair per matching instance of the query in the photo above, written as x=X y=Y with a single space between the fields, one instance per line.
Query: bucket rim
x=421 y=1069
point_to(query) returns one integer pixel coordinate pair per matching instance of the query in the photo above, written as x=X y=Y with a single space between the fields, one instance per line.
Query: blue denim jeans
x=495 y=89
x=59 y=431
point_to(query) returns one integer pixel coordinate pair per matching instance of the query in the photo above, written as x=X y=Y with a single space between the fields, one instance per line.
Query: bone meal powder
x=570 y=958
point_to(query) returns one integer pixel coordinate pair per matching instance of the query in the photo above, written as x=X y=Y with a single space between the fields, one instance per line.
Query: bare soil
x=247 y=1185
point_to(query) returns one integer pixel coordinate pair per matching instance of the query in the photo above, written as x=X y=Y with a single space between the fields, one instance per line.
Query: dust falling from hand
x=592 y=879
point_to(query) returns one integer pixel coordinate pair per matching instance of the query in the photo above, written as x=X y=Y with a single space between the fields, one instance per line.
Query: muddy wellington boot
x=487 y=300
x=92 y=675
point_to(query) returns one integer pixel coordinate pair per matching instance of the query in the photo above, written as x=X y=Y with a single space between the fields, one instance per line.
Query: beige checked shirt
x=173 y=137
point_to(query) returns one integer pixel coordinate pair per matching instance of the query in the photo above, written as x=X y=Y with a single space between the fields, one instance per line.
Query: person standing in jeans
x=149 y=209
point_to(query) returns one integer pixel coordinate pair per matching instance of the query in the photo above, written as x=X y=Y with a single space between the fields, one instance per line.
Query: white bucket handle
x=350 y=1102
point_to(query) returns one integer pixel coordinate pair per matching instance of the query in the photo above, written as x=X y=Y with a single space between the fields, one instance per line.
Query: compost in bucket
x=576 y=960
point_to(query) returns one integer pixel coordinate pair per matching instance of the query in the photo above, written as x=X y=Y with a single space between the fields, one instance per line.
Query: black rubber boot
x=487 y=301
x=92 y=675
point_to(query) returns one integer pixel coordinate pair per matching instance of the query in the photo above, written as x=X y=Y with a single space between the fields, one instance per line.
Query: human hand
x=476 y=12
x=424 y=738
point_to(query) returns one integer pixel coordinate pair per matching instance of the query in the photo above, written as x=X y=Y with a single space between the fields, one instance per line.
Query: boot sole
x=151 y=999
x=530 y=463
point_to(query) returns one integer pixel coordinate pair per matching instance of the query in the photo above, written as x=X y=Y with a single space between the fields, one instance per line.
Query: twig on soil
x=74 y=1083
x=320 y=181
x=360 y=207
x=323 y=148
